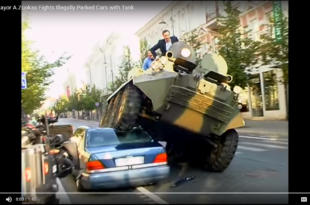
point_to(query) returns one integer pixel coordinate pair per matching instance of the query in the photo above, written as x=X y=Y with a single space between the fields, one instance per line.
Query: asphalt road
x=260 y=165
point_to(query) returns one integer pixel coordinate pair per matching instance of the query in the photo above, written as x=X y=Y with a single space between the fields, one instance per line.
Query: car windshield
x=102 y=137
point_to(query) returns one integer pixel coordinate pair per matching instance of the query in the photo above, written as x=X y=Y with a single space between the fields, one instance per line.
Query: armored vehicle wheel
x=116 y=106
x=220 y=158
x=128 y=112
x=105 y=120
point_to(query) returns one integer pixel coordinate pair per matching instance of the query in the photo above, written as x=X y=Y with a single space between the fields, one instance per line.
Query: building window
x=252 y=29
x=269 y=29
x=271 y=90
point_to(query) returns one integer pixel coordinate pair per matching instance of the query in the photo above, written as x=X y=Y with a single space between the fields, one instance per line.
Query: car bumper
x=125 y=178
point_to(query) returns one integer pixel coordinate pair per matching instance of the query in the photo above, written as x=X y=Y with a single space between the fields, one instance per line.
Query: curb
x=260 y=133
x=82 y=120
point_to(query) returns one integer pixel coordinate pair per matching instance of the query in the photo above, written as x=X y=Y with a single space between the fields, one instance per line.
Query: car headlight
x=185 y=52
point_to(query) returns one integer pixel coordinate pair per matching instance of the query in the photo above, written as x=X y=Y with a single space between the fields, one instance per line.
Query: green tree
x=74 y=101
x=126 y=65
x=238 y=50
x=272 y=51
x=89 y=96
x=144 y=48
x=191 y=38
x=61 y=105
x=38 y=72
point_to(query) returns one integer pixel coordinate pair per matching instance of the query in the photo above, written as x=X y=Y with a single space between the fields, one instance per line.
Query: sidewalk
x=266 y=127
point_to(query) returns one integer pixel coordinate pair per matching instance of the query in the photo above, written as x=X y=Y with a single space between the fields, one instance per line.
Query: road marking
x=277 y=142
x=251 y=149
x=263 y=138
x=263 y=145
x=61 y=194
x=152 y=196
x=238 y=153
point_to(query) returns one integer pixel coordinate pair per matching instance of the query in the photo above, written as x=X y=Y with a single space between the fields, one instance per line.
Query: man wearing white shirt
x=164 y=44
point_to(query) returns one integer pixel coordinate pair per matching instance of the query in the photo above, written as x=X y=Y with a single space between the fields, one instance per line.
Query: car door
x=83 y=155
x=76 y=134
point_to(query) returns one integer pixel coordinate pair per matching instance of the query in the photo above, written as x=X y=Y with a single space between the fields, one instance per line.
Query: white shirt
x=168 y=45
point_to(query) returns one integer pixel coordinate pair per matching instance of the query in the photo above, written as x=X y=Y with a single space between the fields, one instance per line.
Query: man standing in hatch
x=164 y=44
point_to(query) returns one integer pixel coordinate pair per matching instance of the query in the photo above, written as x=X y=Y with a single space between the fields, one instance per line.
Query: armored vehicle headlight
x=185 y=52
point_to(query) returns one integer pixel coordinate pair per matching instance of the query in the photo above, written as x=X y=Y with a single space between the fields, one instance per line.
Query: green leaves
x=38 y=75
x=144 y=48
x=272 y=51
x=238 y=50
x=85 y=98
x=126 y=65
x=241 y=52
x=61 y=105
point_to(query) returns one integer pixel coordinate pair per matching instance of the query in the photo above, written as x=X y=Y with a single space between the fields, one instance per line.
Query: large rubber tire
x=129 y=108
x=218 y=161
x=116 y=106
x=104 y=120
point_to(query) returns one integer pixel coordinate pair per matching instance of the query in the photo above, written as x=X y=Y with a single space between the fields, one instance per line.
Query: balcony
x=211 y=18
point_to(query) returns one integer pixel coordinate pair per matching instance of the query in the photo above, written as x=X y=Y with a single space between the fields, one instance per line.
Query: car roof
x=101 y=128
x=95 y=128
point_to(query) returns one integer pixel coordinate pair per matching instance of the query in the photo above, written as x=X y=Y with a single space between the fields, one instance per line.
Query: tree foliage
x=74 y=101
x=144 y=48
x=126 y=65
x=38 y=72
x=238 y=50
x=61 y=105
x=191 y=38
x=276 y=52
x=89 y=96
x=85 y=99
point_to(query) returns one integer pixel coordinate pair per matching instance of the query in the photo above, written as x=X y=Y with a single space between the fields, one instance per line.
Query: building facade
x=266 y=94
x=179 y=18
x=265 y=97
x=70 y=84
x=102 y=67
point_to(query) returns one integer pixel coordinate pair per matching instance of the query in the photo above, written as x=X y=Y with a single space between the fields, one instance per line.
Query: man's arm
x=154 y=48
x=145 y=67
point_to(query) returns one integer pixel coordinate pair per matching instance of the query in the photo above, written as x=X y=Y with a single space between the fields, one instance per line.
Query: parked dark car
x=112 y=159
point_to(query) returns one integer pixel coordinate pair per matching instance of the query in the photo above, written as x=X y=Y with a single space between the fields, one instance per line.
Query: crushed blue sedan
x=107 y=158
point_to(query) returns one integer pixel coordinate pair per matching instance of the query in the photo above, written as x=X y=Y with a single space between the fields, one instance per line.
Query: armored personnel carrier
x=190 y=107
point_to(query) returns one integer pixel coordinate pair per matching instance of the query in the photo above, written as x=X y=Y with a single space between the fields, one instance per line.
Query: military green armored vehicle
x=190 y=107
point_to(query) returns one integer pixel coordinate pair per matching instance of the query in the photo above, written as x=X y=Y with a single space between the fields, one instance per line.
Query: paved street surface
x=260 y=165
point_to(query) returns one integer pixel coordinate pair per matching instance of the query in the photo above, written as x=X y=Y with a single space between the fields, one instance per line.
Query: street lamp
x=90 y=81
x=105 y=67
x=171 y=19
x=111 y=61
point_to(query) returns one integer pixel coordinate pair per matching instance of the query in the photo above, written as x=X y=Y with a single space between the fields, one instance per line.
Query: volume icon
x=9 y=199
